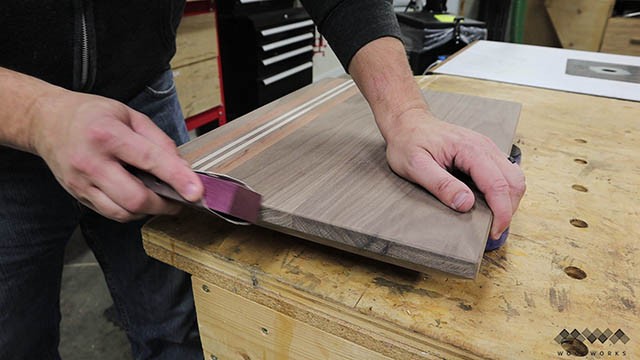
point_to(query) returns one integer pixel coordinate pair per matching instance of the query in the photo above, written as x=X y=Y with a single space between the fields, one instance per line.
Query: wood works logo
x=574 y=343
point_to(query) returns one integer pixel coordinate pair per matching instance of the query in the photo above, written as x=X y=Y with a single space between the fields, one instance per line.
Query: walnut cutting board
x=318 y=159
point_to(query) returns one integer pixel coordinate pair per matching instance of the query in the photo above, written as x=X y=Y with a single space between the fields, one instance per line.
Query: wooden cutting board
x=318 y=159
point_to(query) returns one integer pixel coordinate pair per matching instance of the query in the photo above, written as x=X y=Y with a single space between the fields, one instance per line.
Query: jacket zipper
x=84 y=49
x=84 y=63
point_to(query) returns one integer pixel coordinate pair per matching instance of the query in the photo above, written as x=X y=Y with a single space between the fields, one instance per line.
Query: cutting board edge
x=461 y=268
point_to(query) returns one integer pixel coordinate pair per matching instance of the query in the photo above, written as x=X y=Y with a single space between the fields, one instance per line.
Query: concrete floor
x=85 y=332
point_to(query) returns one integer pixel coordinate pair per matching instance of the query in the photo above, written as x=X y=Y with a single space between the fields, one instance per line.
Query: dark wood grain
x=324 y=177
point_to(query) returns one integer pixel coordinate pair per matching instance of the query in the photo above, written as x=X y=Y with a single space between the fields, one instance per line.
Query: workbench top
x=571 y=260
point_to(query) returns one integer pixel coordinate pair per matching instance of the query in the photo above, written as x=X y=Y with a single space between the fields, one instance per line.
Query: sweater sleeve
x=349 y=25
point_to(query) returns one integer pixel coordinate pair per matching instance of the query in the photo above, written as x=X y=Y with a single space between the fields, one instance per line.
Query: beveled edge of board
x=392 y=252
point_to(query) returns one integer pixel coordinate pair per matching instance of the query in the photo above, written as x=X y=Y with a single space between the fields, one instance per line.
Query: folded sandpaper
x=227 y=197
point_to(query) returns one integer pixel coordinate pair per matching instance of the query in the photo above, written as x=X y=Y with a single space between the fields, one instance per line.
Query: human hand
x=423 y=149
x=87 y=140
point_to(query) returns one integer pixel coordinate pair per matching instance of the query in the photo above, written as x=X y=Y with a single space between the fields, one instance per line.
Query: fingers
x=135 y=149
x=501 y=182
x=489 y=179
x=423 y=152
x=129 y=193
x=99 y=202
x=92 y=141
x=514 y=176
x=121 y=196
x=107 y=188
x=424 y=170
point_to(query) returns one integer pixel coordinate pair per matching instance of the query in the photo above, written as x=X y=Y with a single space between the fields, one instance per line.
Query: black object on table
x=427 y=38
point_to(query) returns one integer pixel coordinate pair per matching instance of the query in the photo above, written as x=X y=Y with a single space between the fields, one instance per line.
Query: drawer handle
x=287 y=55
x=270 y=80
x=250 y=1
x=285 y=42
x=634 y=41
x=283 y=28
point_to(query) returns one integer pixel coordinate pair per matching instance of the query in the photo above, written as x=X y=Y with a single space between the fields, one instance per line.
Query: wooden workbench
x=571 y=261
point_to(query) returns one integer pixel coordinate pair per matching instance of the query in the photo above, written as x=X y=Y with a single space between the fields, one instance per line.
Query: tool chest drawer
x=267 y=68
x=281 y=25
x=265 y=56
x=300 y=50
x=275 y=86
x=284 y=40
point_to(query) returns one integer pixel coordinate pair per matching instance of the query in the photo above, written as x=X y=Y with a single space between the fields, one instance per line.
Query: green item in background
x=518 y=12
x=445 y=18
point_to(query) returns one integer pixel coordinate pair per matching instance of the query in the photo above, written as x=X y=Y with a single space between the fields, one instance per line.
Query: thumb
x=425 y=171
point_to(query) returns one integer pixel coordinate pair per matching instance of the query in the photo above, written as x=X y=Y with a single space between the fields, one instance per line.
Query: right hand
x=424 y=149
x=86 y=140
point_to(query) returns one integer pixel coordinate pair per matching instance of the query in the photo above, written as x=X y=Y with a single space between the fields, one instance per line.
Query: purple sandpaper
x=222 y=195
x=230 y=198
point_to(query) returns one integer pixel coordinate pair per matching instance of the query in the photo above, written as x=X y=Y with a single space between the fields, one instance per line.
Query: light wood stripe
x=241 y=143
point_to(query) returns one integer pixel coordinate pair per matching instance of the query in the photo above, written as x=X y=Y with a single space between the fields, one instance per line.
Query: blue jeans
x=37 y=217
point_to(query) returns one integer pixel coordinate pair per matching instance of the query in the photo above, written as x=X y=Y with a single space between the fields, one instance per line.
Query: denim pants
x=37 y=217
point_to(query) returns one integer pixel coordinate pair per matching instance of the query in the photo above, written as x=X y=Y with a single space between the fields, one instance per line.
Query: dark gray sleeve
x=348 y=25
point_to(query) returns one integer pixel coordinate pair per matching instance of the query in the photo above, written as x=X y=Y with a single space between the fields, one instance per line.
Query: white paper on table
x=538 y=66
